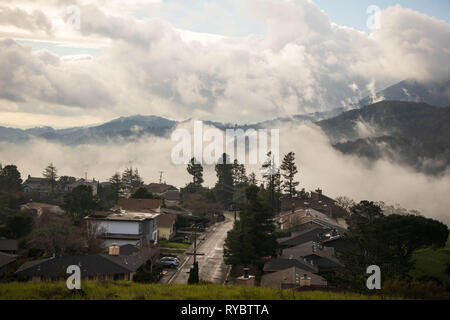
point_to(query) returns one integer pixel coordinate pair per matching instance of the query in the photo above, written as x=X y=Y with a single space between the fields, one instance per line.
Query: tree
x=10 y=179
x=271 y=175
x=386 y=241
x=19 y=224
x=224 y=186
x=132 y=178
x=79 y=203
x=54 y=235
x=195 y=169
x=289 y=170
x=252 y=237
x=65 y=181
x=51 y=174
x=144 y=193
x=252 y=179
x=116 y=185
x=345 y=203
x=239 y=174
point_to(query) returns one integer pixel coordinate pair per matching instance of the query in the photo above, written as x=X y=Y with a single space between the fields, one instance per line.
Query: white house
x=124 y=227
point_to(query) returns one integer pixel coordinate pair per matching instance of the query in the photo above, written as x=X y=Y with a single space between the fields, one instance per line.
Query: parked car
x=169 y=262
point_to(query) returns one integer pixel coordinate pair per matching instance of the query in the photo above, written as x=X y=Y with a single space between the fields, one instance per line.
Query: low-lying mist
x=319 y=164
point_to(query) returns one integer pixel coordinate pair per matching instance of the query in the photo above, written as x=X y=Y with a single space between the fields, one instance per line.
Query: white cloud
x=304 y=63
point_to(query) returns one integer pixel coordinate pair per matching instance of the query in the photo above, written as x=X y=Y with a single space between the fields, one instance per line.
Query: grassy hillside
x=131 y=291
x=433 y=263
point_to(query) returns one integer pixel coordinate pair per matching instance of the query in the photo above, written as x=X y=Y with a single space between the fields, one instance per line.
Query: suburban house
x=41 y=208
x=83 y=182
x=292 y=278
x=124 y=227
x=37 y=186
x=309 y=233
x=172 y=197
x=6 y=260
x=290 y=220
x=314 y=254
x=313 y=229
x=317 y=201
x=113 y=265
x=9 y=246
x=166 y=226
x=160 y=188
x=140 y=205
x=279 y=264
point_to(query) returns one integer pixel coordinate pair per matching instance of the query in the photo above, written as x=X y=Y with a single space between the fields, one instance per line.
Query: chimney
x=293 y=207
x=114 y=250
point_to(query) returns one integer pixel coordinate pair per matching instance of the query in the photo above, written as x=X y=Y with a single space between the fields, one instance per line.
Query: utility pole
x=160 y=176
x=195 y=244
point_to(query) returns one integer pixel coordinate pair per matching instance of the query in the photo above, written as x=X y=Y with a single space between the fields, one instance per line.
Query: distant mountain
x=128 y=128
x=310 y=117
x=434 y=93
x=417 y=134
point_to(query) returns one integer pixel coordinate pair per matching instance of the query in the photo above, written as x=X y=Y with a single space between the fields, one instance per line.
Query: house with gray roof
x=114 y=265
x=9 y=246
x=292 y=278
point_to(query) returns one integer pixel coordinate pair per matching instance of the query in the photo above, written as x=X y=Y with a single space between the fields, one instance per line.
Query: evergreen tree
x=196 y=171
x=239 y=174
x=79 y=203
x=271 y=175
x=51 y=174
x=10 y=179
x=252 y=237
x=116 y=185
x=224 y=186
x=144 y=193
x=252 y=179
x=132 y=178
x=289 y=170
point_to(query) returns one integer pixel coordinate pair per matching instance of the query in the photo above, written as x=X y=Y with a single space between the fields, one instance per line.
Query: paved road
x=211 y=265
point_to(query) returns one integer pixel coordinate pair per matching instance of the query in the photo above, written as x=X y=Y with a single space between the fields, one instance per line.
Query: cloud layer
x=304 y=63
x=320 y=165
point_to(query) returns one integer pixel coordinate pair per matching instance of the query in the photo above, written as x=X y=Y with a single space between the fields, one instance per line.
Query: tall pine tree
x=224 y=186
x=289 y=170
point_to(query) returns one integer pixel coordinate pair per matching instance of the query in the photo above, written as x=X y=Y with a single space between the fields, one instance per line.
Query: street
x=211 y=265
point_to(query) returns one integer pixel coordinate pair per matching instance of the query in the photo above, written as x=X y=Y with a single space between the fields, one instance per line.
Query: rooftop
x=278 y=264
x=6 y=259
x=290 y=276
x=8 y=245
x=123 y=216
x=138 y=205
x=166 y=220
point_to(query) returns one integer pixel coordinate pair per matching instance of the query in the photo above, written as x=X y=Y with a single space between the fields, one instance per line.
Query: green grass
x=174 y=245
x=121 y=290
x=432 y=263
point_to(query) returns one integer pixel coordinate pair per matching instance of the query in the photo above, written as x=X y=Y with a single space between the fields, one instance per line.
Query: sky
x=67 y=63
x=80 y=62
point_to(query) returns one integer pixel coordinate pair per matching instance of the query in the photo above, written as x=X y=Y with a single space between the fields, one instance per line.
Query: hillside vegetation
x=433 y=264
x=416 y=134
